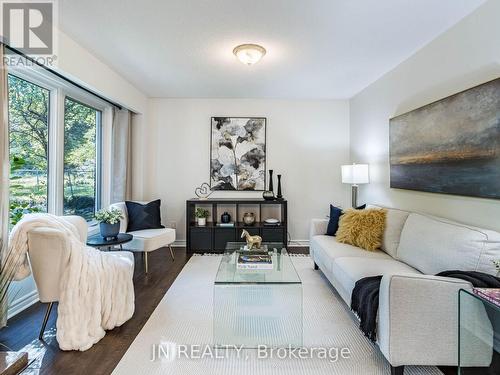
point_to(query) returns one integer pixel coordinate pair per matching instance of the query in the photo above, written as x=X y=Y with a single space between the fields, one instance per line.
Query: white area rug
x=184 y=317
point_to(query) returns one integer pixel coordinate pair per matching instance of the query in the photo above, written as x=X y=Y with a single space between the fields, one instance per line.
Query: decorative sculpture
x=203 y=191
x=251 y=240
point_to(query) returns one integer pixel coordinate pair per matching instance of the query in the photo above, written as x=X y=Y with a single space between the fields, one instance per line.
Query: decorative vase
x=271 y=188
x=202 y=221
x=225 y=218
x=268 y=195
x=279 y=196
x=248 y=218
x=109 y=230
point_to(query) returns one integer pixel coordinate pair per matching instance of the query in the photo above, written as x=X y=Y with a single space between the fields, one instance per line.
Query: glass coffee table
x=254 y=307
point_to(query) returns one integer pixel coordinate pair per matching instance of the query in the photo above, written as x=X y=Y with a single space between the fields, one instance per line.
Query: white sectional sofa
x=417 y=318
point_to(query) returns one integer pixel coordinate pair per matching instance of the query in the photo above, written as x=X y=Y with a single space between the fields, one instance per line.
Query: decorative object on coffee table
x=248 y=218
x=203 y=191
x=279 y=195
x=355 y=174
x=251 y=240
x=201 y=215
x=269 y=193
x=225 y=217
x=238 y=153
x=109 y=222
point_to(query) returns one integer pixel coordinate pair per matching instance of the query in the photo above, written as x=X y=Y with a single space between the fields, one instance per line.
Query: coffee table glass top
x=283 y=271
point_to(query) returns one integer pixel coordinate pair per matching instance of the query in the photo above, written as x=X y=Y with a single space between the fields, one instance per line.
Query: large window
x=81 y=155
x=56 y=147
x=29 y=147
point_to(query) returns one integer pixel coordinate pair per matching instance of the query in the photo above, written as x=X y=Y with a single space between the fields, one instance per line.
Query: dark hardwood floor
x=46 y=357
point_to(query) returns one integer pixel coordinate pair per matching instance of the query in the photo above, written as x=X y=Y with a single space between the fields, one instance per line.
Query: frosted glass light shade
x=355 y=174
x=249 y=54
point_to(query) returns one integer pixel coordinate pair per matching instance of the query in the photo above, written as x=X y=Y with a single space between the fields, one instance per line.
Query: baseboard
x=22 y=303
x=292 y=243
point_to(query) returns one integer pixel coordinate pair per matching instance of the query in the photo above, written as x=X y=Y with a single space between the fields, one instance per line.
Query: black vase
x=279 y=195
x=268 y=195
x=225 y=218
x=271 y=188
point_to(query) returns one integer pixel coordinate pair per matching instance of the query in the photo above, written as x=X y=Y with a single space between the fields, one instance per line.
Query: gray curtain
x=121 y=182
x=4 y=182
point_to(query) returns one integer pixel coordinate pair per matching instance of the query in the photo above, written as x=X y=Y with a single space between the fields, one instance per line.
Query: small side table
x=478 y=334
x=100 y=242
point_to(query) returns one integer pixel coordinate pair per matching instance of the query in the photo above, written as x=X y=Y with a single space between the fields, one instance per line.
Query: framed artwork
x=451 y=146
x=238 y=153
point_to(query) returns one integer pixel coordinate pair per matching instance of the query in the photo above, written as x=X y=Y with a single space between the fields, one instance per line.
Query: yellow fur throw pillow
x=362 y=228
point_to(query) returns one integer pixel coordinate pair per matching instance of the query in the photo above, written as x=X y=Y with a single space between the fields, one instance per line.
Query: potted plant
x=109 y=222
x=201 y=215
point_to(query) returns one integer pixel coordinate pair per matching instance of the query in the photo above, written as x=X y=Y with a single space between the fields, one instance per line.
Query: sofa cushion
x=143 y=216
x=326 y=248
x=433 y=245
x=363 y=228
x=333 y=222
x=150 y=239
x=348 y=270
x=395 y=221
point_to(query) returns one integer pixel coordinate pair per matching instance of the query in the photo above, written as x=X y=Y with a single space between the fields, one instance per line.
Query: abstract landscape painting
x=451 y=146
x=238 y=153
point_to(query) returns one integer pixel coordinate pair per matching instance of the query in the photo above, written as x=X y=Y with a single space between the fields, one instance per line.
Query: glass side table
x=478 y=335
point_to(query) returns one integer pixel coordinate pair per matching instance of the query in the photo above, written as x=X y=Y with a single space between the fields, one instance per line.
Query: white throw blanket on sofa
x=96 y=288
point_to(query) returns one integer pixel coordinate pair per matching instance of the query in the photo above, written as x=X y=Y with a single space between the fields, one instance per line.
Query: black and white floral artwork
x=238 y=153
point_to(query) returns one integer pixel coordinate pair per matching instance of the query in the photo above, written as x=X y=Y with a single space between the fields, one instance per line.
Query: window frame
x=59 y=90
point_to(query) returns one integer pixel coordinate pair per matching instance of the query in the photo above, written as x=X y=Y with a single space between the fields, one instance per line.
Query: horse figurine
x=251 y=240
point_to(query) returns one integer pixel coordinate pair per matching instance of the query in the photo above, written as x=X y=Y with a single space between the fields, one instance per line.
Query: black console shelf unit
x=213 y=238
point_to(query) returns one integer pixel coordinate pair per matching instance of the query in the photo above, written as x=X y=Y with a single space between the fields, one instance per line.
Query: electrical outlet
x=173 y=224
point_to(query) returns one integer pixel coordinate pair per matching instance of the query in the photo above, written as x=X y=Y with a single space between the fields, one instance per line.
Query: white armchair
x=146 y=240
x=48 y=251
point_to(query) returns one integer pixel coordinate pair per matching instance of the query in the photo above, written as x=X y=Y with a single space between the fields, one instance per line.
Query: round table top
x=98 y=240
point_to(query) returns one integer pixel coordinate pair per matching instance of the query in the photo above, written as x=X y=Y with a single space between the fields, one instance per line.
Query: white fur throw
x=96 y=288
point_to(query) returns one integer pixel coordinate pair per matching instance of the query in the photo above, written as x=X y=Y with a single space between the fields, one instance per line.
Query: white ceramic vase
x=202 y=221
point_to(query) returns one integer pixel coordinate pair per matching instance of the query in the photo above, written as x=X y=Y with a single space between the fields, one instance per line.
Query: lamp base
x=354 y=196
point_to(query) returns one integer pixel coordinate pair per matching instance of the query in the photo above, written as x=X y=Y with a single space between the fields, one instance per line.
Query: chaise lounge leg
x=45 y=320
x=171 y=252
x=316 y=266
x=399 y=370
x=146 y=262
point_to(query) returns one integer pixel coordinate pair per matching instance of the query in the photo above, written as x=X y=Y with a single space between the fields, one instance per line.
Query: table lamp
x=355 y=174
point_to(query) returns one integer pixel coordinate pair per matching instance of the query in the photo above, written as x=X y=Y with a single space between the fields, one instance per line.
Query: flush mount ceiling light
x=249 y=54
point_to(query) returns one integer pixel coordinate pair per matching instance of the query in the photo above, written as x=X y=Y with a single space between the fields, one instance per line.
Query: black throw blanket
x=364 y=299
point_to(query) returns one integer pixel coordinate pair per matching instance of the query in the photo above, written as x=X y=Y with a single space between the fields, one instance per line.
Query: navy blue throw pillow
x=333 y=224
x=143 y=216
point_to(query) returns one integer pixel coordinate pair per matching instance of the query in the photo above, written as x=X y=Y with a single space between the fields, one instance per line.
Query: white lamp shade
x=355 y=174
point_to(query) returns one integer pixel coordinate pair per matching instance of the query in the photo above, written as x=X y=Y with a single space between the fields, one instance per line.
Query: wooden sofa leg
x=399 y=370
x=316 y=266
x=146 y=262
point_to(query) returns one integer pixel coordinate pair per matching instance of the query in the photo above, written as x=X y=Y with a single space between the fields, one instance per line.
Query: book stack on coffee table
x=254 y=260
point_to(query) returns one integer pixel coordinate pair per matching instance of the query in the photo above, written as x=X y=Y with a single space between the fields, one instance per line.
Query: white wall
x=466 y=55
x=307 y=141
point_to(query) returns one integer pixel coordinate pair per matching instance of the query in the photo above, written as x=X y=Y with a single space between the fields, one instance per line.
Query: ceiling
x=315 y=48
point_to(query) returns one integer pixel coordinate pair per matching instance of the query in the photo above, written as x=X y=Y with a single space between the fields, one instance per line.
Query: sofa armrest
x=318 y=227
x=418 y=319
